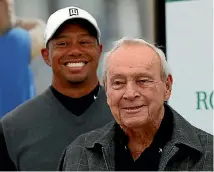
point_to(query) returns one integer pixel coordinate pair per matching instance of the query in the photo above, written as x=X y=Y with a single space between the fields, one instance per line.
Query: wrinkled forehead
x=133 y=59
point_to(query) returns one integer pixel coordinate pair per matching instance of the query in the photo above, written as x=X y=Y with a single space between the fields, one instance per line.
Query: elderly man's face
x=135 y=89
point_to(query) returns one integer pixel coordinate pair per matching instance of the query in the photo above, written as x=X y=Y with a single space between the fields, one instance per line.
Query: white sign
x=189 y=30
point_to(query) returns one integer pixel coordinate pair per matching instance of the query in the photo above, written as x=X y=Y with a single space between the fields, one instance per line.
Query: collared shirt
x=150 y=158
x=76 y=105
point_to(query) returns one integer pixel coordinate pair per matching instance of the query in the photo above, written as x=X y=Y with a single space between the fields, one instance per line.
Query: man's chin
x=77 y=81
x=133 y=124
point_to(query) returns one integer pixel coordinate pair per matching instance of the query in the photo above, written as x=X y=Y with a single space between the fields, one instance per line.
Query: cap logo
x=73 y=12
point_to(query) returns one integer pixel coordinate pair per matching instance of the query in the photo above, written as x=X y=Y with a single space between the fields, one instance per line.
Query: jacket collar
x=102 y=136
x=183 y=132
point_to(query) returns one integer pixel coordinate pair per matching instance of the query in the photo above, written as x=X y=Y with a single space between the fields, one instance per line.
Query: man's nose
x=131 y=92
x=74 y=50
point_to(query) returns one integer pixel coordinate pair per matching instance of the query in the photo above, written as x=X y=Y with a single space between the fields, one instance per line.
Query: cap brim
x=70 y=19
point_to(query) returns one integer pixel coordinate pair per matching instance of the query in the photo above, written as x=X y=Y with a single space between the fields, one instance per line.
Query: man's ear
x=169 y=82
x=104 y=84
x=100 y=49
x=45 y=55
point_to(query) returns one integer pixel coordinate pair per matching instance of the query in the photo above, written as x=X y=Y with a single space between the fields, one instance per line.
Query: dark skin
x=73 y=54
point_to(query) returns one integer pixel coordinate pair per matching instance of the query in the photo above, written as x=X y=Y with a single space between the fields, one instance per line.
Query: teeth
x=75 y=64
x=133 y=108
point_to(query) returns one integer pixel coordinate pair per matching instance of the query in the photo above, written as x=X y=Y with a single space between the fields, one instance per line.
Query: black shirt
x=76 y=105
x=149 y=160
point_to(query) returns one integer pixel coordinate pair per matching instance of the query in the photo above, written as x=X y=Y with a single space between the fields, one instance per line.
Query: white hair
x=165 y=69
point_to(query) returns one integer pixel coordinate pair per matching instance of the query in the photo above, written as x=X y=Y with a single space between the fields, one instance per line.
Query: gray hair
x=127 y=41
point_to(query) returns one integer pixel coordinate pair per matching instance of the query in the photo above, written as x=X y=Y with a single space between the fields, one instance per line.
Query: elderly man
x=148 y=134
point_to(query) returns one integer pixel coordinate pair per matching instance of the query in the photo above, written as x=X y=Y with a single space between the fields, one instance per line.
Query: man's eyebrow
x=66 y=36
x=134 y=75
x=61 y=36
x=143 y=74
x=85 y=34
x=116 y=75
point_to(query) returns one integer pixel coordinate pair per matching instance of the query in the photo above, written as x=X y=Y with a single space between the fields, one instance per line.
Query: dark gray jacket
x=189 y=149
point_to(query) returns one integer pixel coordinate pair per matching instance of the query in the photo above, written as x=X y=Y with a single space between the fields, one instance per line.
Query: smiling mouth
x=133 y=108
x=76 y=64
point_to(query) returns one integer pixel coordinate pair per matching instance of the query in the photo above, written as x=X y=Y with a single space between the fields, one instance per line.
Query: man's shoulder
x=206 y=141
x=19 y=34
x=89 y=139
x=193 y=131
x=25 y=110
x=205 y=138
x=188 y=134
x=74 y=154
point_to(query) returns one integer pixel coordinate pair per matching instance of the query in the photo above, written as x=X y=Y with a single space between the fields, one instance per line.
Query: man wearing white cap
x=37 y=132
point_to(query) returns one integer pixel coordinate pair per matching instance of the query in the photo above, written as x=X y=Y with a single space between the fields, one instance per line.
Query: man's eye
x=145 y=82
x=62 y=44
x=118 y=83
x=85 y=42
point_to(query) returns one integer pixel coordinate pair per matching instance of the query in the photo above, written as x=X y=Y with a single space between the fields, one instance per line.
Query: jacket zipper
x=103 y=151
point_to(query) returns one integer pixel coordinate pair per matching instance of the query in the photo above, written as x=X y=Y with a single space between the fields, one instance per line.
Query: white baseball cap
x=62 y=15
